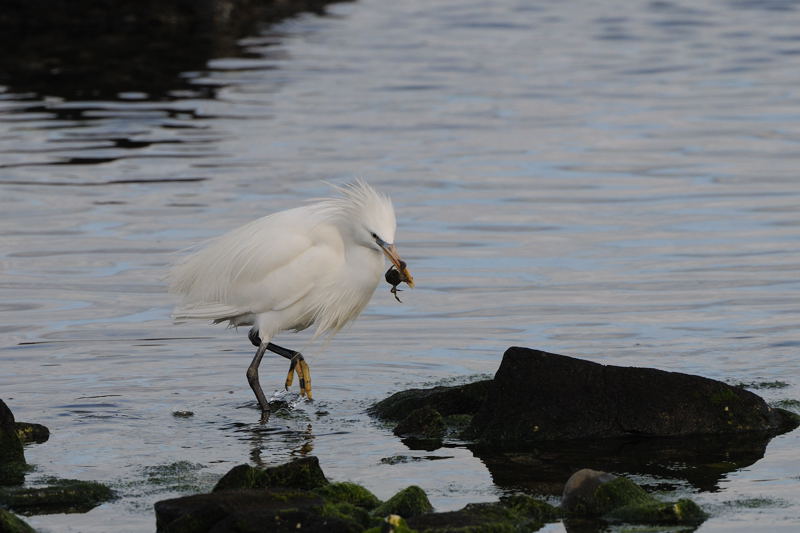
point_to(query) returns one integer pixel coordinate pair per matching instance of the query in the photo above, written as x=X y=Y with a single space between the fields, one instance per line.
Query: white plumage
x=315 y=264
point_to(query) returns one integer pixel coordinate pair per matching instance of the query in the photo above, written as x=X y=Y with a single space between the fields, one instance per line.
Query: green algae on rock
x=423 y=423
x=411 y=501
x=351 y=493
x=590 y=493
x=517 y=513
x=249 y=510
x=59 y=496
x=304 y=473
x=684 y=511
x=11 y=523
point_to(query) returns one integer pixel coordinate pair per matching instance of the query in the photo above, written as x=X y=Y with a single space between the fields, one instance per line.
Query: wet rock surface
x=542 y=397
x=59 y=496
x=538 y=396
x=591 y=493
x=302 y=473
x=593 y=497
x=286 y=497
x=12 y=456
x=29 y=433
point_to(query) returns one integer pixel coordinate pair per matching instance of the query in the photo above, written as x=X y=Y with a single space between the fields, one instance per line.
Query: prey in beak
x=398 y=272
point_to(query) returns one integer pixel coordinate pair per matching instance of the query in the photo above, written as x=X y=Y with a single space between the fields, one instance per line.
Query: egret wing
x=251 y=269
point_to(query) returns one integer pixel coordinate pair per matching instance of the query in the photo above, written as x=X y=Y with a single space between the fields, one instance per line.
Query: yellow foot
x=300 y=366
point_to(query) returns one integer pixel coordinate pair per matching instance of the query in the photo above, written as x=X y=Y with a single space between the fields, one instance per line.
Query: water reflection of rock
x=90 y=49
x=702 y=462
x=545 y=416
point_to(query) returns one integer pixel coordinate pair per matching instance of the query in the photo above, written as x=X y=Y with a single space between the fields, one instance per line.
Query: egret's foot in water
x=300 y=366
x=252 y=379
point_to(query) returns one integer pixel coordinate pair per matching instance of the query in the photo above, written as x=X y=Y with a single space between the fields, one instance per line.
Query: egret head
x=371 y=215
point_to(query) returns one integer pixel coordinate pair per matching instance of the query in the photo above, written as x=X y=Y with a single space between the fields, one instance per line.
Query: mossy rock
x=531 y=508
x=356 y=518
x=12 y=457
x=590 y=493
x=11 y=523
x=411 y=501
x=13 y=473
x=351 y=493
x=681 y=512
x=457 y=400
x=302 y=473
x=423 y=423
x=257 y=510
x=28 y=432
x=61 y=496
x=517 y=514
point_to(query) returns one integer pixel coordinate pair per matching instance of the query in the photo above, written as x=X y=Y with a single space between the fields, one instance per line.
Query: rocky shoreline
x=546 y=424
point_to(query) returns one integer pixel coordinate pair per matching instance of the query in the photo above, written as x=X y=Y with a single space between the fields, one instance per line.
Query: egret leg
x=297 y=363
x=252 y=379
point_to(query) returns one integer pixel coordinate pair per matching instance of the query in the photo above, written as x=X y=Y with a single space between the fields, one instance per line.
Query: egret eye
x=374 y=236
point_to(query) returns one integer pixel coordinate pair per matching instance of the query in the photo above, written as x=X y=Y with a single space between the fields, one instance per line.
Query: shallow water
x=609 y=180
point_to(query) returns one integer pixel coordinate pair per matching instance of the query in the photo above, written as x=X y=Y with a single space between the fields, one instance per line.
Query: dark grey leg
x=252 y=379
x=295 y=358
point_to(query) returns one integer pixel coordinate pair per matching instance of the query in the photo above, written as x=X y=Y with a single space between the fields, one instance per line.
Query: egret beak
x=391 y=252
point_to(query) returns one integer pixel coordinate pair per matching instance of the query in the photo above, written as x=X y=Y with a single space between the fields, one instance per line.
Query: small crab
x=395 y=277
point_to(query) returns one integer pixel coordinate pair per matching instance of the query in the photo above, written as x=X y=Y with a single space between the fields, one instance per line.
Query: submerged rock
x=60 y=496
x=456 y=400
x=12 y=457
x=10 y=523
x=304 y=473
x=516 y=513
x=423 y=423
x=539 y=396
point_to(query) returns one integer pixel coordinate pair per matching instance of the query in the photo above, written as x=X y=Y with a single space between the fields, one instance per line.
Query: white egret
x=315 y=264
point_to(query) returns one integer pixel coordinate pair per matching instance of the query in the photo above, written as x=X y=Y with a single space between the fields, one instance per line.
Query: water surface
x=609 y=180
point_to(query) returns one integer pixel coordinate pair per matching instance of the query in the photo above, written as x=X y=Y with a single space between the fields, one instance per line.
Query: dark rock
x=55 y=47
x=457 y=400
x=304 y=473
x=423 y=423
x=61 y=496
x=10 y=523
x=12 y=457
x=252 y=510
x=411 y=501
x=538 y=396
x=28 y=432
